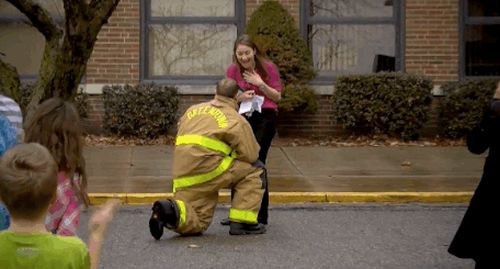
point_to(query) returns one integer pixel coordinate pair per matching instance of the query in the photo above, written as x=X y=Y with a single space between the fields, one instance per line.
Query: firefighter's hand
x=246 y=95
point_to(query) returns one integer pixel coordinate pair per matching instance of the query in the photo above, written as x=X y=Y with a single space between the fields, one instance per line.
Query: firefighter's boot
x=236 y=228
x=165 y=214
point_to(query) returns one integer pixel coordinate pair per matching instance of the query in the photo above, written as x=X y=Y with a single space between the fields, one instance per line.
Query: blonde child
x=28 y=185
x=56 y=126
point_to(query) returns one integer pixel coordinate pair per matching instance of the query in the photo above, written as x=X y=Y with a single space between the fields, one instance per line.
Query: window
x=352 y=36
x=21 y=45
x=480 y=39
x=189 y=41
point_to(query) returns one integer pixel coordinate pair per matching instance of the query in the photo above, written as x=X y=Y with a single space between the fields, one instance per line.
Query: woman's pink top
x=273 y=81
x=64 y=215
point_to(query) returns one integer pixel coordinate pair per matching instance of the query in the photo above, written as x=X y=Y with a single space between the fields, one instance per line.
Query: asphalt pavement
x=340 y=236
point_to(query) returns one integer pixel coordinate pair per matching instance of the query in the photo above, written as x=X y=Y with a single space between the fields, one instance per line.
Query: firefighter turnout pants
x=196 y=203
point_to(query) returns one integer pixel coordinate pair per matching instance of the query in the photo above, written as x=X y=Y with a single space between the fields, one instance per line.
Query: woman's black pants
x=264 y=128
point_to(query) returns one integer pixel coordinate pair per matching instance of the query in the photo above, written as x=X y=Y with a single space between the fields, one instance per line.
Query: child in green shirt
x=28 y=182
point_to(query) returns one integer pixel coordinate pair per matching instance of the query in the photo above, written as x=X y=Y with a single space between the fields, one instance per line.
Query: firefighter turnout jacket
x=215 y=149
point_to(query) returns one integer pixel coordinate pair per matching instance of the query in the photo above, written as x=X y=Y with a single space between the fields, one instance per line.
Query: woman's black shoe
x=236 y=228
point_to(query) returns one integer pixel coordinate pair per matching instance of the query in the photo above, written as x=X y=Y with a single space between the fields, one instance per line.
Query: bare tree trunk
x=66 y=50
x=9 y=81
x=62 y=69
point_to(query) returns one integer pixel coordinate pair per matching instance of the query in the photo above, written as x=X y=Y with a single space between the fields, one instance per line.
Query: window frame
x=397 y=19
x=464 y=21
x=146 y=20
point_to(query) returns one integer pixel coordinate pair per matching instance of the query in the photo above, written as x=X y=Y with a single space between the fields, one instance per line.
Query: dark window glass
x=483 y=8
x=482 y=50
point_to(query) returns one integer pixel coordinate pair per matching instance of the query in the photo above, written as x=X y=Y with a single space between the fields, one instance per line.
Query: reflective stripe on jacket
x=209 y=143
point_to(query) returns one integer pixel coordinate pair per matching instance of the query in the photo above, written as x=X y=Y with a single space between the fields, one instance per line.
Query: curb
x=304 y=197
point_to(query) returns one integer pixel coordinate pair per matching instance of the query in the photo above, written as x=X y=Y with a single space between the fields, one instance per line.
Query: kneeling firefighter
x=215 y=148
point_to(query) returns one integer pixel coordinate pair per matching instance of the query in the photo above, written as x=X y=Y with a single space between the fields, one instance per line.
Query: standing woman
x=257 y=75
x=479 y=232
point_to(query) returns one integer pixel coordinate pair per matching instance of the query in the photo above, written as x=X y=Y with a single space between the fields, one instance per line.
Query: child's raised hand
x=102 y=216
x=97 y=226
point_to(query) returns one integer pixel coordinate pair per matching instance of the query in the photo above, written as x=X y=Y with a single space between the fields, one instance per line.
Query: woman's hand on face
x=246 y=95
x=253 y=78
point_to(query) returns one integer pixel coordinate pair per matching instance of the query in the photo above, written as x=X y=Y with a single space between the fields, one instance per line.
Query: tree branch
x=77 y=18
x=9 y=81
x=101 y=10
x=75 y=9
x=39 y=18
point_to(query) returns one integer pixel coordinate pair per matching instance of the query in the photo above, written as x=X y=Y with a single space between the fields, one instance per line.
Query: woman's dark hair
x=259 y=57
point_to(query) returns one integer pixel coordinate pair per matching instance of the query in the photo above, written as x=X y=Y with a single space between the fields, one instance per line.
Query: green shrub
x=274 y=31
x=394 y=104
x=80 y=100
x=463 y=104
x=298 y=97
x=144 y=110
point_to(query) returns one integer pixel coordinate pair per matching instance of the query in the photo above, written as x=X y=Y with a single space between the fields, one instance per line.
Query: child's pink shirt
x=64 y=214
x=273 y=81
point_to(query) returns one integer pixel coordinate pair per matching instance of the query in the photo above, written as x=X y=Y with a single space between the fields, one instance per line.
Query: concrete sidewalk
x=142 y=174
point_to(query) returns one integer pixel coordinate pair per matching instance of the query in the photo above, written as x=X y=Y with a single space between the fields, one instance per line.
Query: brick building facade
x=345 y=36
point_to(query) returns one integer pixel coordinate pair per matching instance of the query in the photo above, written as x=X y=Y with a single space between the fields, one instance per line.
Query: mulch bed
x=351 y=141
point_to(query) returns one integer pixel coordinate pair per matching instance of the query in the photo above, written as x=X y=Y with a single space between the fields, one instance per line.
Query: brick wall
x=95 y=115
x=431 y=48
x=322 y=123
x=115 y=58
x=432 y=39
